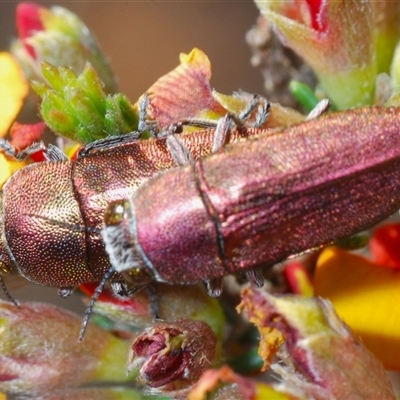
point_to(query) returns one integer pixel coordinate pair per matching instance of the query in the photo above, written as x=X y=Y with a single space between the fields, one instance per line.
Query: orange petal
x=212 y=379
x=13 y=89
x=258 y=311
x=366 y=298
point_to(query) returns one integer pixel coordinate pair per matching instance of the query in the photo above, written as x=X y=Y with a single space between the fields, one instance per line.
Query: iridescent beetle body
x=52 y=212
x=257 y=202
x=251 y=204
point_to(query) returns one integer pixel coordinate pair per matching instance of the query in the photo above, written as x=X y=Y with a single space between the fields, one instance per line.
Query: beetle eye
x=116 y=212
x=138 y=276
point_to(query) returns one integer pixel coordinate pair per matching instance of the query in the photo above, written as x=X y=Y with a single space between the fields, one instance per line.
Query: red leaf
x=385 y=245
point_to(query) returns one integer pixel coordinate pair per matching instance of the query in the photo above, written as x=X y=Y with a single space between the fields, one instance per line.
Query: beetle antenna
x=7 y=293
x=93 y=300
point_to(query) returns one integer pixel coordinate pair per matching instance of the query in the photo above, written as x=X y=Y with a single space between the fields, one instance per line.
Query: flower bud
x=77 y=107
x=172 y=356
x=58 y=37
x=40 y=351
x=317 y=352
x=347 y=43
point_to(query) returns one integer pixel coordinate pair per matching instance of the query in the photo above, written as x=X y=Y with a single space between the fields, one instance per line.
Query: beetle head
x=119 y=236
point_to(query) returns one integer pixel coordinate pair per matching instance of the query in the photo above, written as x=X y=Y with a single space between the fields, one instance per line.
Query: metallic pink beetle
x=256 y=202
x=52 y=212
x=251 y=204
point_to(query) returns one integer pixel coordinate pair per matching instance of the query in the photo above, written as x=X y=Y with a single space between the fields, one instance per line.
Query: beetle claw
x=255 y=278
x=214 y=287
x=65 y=291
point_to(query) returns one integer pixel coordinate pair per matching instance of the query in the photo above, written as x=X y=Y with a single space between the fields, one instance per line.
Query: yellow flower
x=13 y=90
x=365 y=297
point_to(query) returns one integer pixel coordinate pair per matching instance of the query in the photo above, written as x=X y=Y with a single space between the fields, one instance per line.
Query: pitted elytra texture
x=261 y=200
x=53 y=211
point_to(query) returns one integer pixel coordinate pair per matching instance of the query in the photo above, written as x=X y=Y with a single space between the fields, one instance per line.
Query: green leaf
x=78 y=108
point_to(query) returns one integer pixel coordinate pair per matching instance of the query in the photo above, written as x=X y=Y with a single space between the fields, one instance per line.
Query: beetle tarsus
x=109 y=143
x=255 y=278
x=53 y=153
x=12 y=152
x=7 y=293
x=263 y=113
x=65 y=291
x=321 y=108
x=120 y=288
x=214 y=287
x=258 y=103
x=145 y=124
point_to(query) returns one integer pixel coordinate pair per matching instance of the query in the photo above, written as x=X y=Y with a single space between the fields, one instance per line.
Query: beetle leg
x=262 y=106
x=155 y=310
x=321 y=108
x=51 y=153
x=109 y=142
x=223 y=128
x=122 y=289
x=144 y=123
x=65 y=291
x=258 y=103
x=263 y=112
x=255 y=278
x=179 y=152
x=214 y=287
x=222 y=132
x=7 y=293
x=88 y=312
